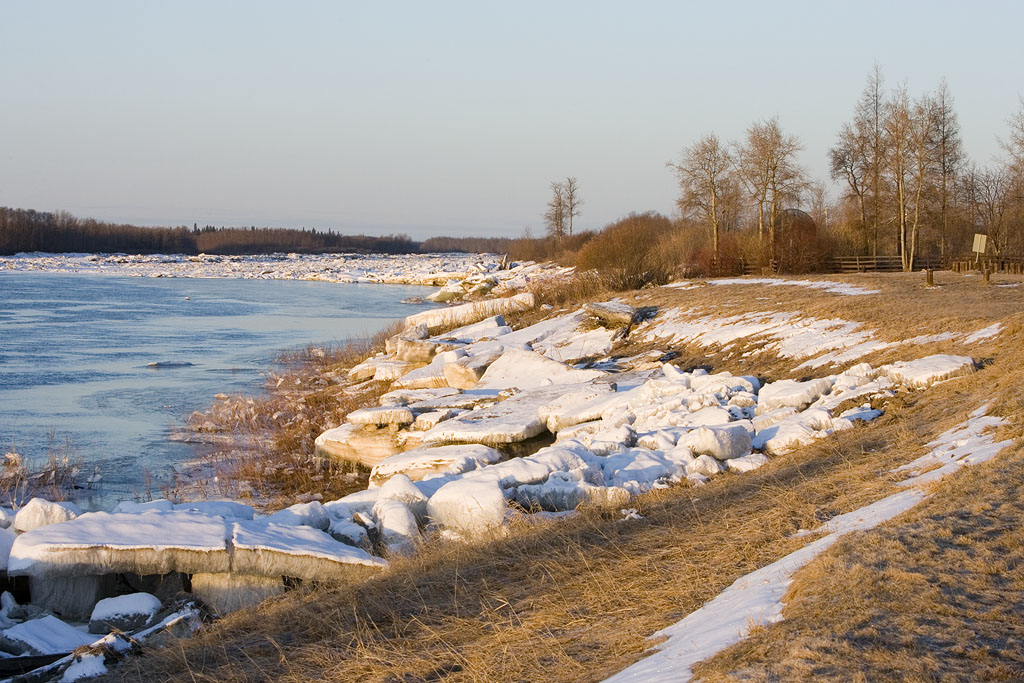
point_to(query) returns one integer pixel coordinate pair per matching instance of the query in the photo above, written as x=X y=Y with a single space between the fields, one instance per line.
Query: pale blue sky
x=444 y=117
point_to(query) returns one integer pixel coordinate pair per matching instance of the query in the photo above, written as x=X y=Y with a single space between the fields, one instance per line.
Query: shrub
x=626 y=254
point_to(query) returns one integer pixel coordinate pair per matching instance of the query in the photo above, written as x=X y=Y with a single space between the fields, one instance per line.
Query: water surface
x=75 y=355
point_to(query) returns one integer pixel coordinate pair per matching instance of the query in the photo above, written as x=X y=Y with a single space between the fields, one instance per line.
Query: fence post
x=929 y=278
x=987 y=275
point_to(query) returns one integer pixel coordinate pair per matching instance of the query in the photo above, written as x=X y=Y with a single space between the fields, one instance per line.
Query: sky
x=449 y=118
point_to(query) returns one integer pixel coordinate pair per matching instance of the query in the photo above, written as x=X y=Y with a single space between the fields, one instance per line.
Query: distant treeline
x=60 y=232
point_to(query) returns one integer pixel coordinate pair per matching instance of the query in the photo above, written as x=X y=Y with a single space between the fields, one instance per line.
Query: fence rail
x=884 y=264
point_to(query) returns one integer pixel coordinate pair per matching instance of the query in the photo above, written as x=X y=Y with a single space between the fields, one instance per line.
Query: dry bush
x=625 y=253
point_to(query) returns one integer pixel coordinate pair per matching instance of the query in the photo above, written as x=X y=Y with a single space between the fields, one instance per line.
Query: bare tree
x=703 y=171
x=868 y=120
x=989 y=195
x=573 y=201
x=849 y=161
x=950 y=156
x=910 y=138
x=767 y=165
x=555 y=215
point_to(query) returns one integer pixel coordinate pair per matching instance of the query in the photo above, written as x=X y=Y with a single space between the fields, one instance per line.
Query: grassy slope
x=575 y=600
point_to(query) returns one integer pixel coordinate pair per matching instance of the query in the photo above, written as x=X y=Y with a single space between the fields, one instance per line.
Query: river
x=76 y=353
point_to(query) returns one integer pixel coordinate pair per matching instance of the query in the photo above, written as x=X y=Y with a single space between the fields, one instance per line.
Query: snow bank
x=924 y=372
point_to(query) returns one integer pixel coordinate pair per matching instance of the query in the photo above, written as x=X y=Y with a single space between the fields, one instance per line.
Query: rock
x=611 y=313
x=39 y=513
x=124 y=613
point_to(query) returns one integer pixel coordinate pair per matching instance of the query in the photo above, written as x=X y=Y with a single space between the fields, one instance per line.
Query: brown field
x=934 y=594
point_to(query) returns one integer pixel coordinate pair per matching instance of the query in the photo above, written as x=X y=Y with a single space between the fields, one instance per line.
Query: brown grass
x=269 y=459
x=577 y=599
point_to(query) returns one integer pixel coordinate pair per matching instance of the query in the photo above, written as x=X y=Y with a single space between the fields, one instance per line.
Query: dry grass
x=573 y=600
x=269 y=457
x=576 y=599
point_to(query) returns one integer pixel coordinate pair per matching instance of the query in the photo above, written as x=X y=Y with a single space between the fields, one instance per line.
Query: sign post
x=980 y=242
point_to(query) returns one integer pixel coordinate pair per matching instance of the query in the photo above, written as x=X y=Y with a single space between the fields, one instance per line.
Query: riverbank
x=633 y=434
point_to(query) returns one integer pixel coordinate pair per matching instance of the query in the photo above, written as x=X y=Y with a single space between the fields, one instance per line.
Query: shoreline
x=620 y=430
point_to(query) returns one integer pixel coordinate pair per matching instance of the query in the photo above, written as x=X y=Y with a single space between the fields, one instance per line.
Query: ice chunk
x=465 y=314
x=305 y=514
x=791 y=393
x=747 y=463
x=39 y=512
x=469 y=506
x=527 y=369
x=704 y=465
x=514 y=419
x=399 y=530
x=425 y=462
x=722 y=443
x=124 y=613
x=104 y=543
x=228 y=509
x=400 y=488
x=129 y=506
x=380 y=416
x=263 y=549
x=638 y=468
x=44 y=636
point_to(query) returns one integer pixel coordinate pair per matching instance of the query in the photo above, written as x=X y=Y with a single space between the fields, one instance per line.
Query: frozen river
x=76 y=349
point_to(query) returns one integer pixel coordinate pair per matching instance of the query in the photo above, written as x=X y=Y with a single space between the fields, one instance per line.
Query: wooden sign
x=980 y=242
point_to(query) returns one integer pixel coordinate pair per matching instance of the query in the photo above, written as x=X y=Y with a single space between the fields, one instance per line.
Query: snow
x=125 y=605
x=984 y=333
x=152 y=542
x=721 y=443
x=528 y=369
x=823 y=285
x=266 y=549
x=929 y=370
x=162 y=505
x=227 y=509
x=476 y=311
x=469 y=506
x=788 y=393
x=424 y=463
x=414 y=269
x=512 y=420
x=47 y=635
x=756 y=598
x=39 y=512
x=85 y=666
x=310 y=514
